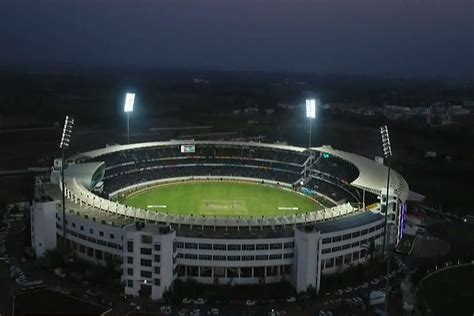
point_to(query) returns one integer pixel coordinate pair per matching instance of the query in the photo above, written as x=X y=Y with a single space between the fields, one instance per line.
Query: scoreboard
x=188 y=149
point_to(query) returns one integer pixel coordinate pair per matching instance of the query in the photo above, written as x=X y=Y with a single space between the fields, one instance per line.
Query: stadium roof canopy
x=372 y=175
x=85 y=173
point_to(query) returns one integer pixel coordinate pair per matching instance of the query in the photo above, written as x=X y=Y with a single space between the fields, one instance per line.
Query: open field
x=44 y=302
x=222 y=199
x=448 y=292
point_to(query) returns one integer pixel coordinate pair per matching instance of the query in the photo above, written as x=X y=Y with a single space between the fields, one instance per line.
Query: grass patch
x=222 y=199
x=448 y=292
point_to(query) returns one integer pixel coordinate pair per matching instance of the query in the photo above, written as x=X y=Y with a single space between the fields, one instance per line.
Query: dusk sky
x=422 y=38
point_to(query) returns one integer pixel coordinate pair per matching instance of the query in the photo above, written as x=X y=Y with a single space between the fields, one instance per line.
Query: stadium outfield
x=217 y=211
x=222 y=199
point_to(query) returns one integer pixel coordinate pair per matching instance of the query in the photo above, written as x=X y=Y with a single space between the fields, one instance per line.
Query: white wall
x=43 y=226
x=305 y=269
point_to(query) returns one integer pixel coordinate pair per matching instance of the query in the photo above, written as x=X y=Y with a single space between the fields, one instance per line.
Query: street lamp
x=311 y=115
x=387 y=152
x=128 y=108
x=64 y=143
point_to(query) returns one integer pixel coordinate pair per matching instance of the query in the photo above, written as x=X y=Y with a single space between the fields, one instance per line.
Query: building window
x=339 y=261
x=276 y=246
x=233 y=258
x=346 y=237
x=90 y=252
x=275 y=257
x=219 y=258
x=157 y=247
x=145 y=251
x=288 y=255
x=190 y=245
x=130 y=260
x=355 y=255
x=205 y=257
x=248 y=247
x=346 y=246
x=326 y=250
x=205 y=246
x=288 y=245
x=336 y=238
x=112 y=236
x=220 y=247
x=157 y=258
x=91 y=231
x=261 y=257
x=334 y=249
x=190 y=256
x=145 y=274
x=74 y=225
x=157 y=270
x=130 y=246
x=145 y=262
x=81 y=228
x=179 y=244
x=157 y=282
x=262 y=247
x=146 y=239
x=101 y=233
x=129 y=283
x=355 y=234
x=355 y=244
x=364 y=232
x=248 y=258
x=129 y=271
x=233 y=247
x=326 y=240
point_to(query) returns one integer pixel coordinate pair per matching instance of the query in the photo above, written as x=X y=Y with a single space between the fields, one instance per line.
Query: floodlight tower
x=65 y=140
x=387 y=153
x=311 y=115
x=128 y=108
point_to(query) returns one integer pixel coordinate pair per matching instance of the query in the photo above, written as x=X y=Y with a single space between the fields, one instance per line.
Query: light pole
x=65 y=140
x=128 y=108
x=387 y=152
x=311 y=115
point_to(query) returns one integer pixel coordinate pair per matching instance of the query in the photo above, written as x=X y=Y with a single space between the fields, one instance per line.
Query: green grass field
x=222 y=199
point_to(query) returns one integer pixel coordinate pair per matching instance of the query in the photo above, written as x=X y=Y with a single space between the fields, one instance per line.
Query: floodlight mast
x=387 y=152
x=310 y=114
x=128 y=108
x=64 y=143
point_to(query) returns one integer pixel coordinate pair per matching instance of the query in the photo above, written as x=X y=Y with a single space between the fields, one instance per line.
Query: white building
x=156 y=248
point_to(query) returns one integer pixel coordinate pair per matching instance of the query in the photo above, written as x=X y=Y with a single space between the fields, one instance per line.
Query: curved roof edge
x=372 y=175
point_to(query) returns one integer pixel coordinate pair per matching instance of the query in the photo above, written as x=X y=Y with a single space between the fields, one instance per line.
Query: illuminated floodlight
x=67 y=132
x=311 y=108
x=129 y=100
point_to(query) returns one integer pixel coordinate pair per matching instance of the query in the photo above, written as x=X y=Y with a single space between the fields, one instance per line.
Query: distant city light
x=311 y=108
x=129 y=100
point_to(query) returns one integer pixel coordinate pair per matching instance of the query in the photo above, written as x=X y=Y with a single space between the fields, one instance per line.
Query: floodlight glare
x=129 y=100
x=311 y=108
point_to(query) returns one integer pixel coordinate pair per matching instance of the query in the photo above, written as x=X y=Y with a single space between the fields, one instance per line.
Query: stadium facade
x=157 y=247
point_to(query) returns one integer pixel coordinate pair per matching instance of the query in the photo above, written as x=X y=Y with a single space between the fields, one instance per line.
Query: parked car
x=199 y=301
x=187 y=301
x=291 y=299
x=249 y=302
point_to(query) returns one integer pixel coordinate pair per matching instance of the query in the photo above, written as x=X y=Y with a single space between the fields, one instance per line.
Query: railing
x=78 y=194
